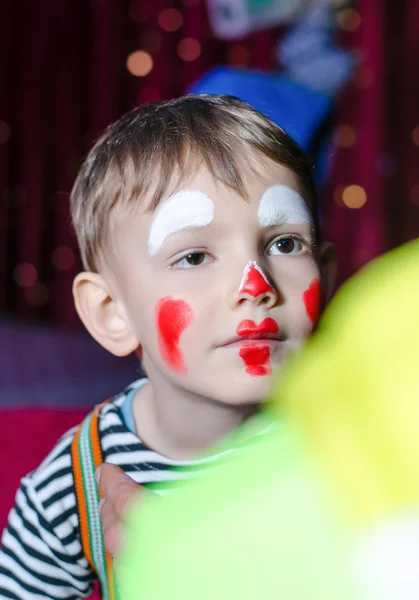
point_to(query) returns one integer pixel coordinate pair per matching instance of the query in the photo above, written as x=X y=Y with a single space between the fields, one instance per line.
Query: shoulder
x=109 y=413
x=53 y=480
x=117 y=442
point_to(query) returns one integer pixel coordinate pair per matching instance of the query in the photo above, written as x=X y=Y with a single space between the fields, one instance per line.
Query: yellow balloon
x=355 y=389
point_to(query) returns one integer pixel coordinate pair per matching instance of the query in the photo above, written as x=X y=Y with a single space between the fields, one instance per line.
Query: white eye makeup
x=184 y=210
x=281 y=205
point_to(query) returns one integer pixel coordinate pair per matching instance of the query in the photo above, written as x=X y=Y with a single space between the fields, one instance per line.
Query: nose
x=255 y=287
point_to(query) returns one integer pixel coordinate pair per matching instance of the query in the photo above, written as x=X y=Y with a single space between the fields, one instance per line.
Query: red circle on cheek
x=312 y=299
x=173 y=317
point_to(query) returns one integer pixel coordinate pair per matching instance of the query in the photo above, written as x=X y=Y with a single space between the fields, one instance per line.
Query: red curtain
x=377 y=136
x=64 y=77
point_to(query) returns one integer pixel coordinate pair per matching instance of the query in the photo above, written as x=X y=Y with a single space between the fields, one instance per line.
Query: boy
x=197 y=228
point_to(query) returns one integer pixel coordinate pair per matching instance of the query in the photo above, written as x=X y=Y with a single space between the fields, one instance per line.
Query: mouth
x=251 y=342
x=247 y=332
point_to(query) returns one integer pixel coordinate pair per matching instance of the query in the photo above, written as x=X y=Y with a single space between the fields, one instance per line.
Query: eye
x=194 y=259
x=285 y=245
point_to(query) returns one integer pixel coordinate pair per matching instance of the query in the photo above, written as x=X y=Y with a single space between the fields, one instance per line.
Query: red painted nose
x=254 y=283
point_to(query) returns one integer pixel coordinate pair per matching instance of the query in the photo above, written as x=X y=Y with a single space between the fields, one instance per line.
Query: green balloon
x=258 y=526
x=278 y=518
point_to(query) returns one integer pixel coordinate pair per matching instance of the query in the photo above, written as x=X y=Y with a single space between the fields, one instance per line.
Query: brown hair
x=142 y=150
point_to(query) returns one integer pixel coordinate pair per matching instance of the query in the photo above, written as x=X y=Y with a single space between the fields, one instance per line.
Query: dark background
x=64 y=77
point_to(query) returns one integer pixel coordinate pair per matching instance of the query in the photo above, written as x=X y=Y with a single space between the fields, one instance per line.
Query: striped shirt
x=41 y=555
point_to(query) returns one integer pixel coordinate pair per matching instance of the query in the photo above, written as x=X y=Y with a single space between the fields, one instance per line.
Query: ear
x=328 y=266
x=103 y=314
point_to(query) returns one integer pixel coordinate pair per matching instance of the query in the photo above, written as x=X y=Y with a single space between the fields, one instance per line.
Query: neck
x=180 y=424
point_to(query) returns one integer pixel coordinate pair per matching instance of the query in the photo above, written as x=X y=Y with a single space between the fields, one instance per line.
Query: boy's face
x=220 y=290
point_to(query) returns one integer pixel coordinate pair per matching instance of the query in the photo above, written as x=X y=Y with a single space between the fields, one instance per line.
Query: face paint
x=312 y=299
x=173 y=317
x=254 y=282
x=183 y=210
x=256 y=358
x=280 y=204
x=249 y=329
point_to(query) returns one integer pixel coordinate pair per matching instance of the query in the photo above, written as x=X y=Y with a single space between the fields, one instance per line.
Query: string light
x=354 y=196
x=189 y=49
x=170 y=19
x=63 y=258
x=349 y=19
x=344 y=136
x=25 y=274
x=4 y=132
x=139 y=63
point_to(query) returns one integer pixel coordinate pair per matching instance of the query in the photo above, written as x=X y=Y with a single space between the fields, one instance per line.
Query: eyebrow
x=188 y=208
x=280 y=205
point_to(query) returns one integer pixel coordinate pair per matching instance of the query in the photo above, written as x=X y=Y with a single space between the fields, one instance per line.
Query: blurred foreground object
x=299 y=110
x=231 y=19
x=300 y=97
x=309 y=52
x=323 y=505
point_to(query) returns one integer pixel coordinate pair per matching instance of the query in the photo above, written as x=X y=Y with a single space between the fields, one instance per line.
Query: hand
x=119 y=490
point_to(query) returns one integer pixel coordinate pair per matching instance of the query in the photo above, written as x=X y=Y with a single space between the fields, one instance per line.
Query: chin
x=245 y=389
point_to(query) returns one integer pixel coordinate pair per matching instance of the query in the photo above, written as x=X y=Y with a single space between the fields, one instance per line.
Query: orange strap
x=86 y=457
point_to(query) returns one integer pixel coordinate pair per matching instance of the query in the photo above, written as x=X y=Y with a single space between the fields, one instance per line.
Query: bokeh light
x=37 y=294
x=170 y=19
x=139 y=63
x=25 y=274
x=354 y=196
x=4 y=132
x=238 y=54
x=349 y=19
x=415 y=135
x=344 y=136
x=189 y=49
x=63 y=258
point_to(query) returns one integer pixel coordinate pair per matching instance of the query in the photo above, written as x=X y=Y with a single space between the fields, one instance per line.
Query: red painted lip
x=250 y=330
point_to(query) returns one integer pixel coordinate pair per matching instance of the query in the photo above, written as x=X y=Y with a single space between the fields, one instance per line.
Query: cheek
x=173 y=317
x=312 y=300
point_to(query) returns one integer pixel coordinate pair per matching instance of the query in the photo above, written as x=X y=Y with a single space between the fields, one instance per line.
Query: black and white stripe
x=41 y=555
